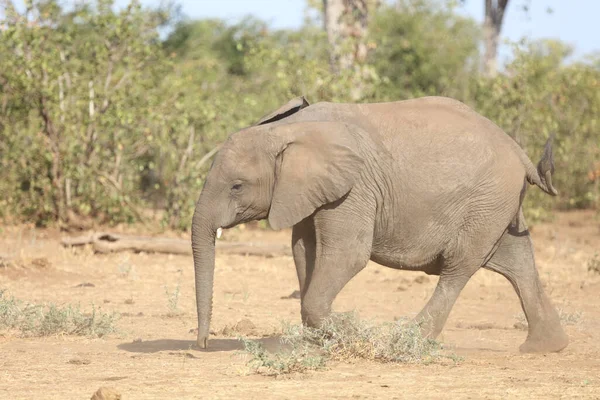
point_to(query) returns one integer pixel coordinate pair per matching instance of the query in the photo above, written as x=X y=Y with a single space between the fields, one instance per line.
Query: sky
x=573 y=21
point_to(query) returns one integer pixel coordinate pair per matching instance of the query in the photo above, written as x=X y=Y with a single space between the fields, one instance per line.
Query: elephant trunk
x=203 y=248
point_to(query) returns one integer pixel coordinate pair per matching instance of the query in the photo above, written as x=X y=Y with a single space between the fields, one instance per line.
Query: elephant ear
x=319 y=165
x=291 y=107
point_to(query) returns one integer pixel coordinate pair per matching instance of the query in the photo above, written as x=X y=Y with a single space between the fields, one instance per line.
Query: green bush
x=82 y=109
x=541 y=95
x=101 y=118
x=423 y=48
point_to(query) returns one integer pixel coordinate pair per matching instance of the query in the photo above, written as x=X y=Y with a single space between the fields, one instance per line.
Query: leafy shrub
x=540 y=95
x=100 y=118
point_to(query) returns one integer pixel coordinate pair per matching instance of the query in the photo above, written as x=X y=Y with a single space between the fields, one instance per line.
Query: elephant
x=424 y=184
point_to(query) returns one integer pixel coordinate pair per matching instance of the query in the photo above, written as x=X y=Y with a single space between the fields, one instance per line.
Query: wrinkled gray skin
x=423 y=185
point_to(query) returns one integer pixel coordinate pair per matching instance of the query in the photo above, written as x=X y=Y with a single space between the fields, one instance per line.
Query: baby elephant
x=422 y=185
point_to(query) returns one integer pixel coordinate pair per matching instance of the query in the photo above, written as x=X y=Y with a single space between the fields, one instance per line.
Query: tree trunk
x=332 y=13
x=492 y=26
x=346 y=23
x=58 y=198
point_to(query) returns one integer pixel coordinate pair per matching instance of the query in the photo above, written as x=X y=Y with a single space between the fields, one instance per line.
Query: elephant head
x=280 y=172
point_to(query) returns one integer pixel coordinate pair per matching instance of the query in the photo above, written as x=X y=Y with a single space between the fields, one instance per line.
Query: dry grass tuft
x=570 y=318
x=34 y=320
x=566 y=318
x=344 y=337
x=173 y=299
x=593 y=264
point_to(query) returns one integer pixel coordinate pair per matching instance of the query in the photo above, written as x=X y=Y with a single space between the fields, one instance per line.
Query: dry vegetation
x=344 y=337
x=27 y=320
x=152 y=355
x=594 y=263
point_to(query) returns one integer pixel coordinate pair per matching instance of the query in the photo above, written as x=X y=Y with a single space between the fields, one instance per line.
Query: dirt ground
x=151 y=356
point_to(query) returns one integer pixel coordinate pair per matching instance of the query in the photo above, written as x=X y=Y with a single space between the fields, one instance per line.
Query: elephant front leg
x=339 y=257
x=304 y=251
x=332 y=272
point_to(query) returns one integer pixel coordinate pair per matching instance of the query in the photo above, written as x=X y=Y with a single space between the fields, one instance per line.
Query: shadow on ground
x=271 y=343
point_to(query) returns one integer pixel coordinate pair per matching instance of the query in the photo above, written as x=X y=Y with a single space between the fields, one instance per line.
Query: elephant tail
x=542 y=175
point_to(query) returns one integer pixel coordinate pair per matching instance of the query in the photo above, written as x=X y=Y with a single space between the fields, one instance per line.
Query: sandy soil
x=151 y=357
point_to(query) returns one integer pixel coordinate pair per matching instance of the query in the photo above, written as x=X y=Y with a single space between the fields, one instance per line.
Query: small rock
x=138 y=340
x=227 y=331
x=401 y=288
x=41 y=262
x=129 y=301
x=106 y=393
x=186 y=354
x=78 y=361
x=115 y=378
x=86 y=284
x=244 y=327
x=520 y=325
x=128 y=314
x=421 y=279
x=483 y=326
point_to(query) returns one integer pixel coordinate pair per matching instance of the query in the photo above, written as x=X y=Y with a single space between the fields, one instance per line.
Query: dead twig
x=207 y=156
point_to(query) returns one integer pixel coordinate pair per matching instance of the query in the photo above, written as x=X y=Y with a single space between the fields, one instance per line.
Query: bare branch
x=92 y=110
x=207 y=157
x=106 y=102
x=108 y=76
x=187 y=153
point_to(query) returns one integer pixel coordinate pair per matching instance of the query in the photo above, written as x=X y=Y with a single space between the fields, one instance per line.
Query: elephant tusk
x=219 y=233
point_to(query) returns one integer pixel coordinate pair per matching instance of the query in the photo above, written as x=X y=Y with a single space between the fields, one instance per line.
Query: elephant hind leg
x=304 y=252
x=458 y=265
x=453 y=278
x=515 y=260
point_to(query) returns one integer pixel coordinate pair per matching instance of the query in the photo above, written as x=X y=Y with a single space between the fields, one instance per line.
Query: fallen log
x=103 y=242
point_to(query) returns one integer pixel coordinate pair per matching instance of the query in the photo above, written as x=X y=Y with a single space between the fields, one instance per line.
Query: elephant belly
x=431 y=265
x=412 y=241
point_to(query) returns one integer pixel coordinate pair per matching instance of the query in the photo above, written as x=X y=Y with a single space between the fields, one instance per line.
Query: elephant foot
x=545 y=344
x=202 y=342
x=428 y=327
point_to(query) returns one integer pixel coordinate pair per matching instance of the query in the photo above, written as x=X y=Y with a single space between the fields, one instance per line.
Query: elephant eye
x=236 y=186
